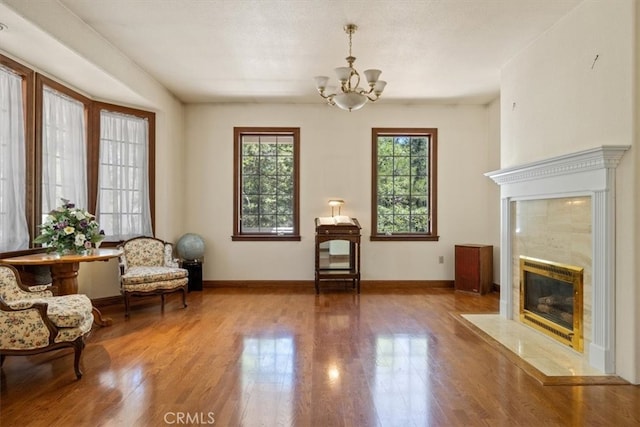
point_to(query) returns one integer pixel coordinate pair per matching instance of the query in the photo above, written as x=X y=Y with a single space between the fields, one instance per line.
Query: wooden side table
x=474 y=268
x=341 y=266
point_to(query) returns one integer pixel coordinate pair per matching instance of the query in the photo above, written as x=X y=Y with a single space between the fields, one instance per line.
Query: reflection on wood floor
x=266 y=357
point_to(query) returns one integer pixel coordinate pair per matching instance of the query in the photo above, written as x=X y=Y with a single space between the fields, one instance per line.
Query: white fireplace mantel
x=590 y=172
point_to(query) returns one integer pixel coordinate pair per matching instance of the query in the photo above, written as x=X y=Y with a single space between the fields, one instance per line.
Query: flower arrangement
x=68 y=229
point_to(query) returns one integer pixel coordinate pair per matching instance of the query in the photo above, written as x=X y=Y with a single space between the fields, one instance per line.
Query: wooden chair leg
x=126 y=304
x=78 y=346
x=184 y=297
x=2 y=357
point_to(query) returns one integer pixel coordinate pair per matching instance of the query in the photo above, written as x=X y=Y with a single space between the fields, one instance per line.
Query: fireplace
x=551 y=299
x=590 y=173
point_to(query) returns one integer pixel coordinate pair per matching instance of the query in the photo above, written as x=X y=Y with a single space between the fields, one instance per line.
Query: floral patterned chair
x=33 y=320
x=147 y=267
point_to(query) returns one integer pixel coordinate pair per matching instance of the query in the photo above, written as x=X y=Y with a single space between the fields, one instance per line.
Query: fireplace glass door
x=551 y=299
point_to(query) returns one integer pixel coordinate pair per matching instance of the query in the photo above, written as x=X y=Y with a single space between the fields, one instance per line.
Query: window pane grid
x=267 y=184
x=123 y=188
x=402 y=184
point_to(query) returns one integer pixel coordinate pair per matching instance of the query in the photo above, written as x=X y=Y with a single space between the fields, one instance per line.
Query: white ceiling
x=269 y=50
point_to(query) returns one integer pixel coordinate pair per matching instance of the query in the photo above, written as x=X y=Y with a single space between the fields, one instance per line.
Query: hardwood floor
x=266 y=357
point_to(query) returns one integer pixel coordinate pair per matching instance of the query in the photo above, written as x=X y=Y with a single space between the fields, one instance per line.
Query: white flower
x=79 y=215
x=80 y=239
x=68 y=229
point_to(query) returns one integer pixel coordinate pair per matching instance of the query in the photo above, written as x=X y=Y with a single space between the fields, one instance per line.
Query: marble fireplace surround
x=589 y=173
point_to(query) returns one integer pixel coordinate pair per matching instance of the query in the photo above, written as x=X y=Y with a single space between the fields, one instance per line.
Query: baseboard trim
x=405 y=284
x=107 y=301
x=257 y=283
x=364 y=284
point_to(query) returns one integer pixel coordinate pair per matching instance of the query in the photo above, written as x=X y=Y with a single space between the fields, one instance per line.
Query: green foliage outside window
x=402 y=184
x=267 y=184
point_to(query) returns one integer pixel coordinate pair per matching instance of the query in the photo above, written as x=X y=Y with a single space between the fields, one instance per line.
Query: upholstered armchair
x=147 y=267
x=33 y=320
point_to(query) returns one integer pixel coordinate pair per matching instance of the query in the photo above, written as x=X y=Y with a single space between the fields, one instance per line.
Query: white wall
x=335 y=156
x=556 y=98
x=493 y=163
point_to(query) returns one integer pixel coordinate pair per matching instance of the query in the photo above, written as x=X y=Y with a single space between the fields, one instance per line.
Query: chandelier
x=351 y=96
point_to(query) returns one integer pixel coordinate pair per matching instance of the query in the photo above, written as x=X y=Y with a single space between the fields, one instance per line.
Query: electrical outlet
x=440 y=259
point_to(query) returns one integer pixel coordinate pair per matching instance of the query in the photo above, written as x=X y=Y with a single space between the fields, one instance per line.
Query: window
x=63 y=147
x=404 y=184
x=123 y=206
x=265 y=184
x=59 y=143
x=14 y=232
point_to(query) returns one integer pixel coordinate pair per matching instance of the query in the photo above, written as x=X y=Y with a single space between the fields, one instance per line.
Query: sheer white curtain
x=14 y=233
x=64 y=151
x=123 y=179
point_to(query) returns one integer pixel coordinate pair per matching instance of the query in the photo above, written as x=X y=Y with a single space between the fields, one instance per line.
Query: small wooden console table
x=474 y=268
x=344 y=265
x=64 y=271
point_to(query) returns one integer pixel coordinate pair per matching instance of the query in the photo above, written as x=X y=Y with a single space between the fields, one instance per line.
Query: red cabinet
x=474 y=268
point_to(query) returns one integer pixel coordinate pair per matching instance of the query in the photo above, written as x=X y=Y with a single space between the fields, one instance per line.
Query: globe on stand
x=190 y=247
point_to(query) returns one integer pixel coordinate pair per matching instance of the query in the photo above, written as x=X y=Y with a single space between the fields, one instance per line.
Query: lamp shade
x=379 y=87
x=321 y=81
x=350 y=100
x=372 y=76
x=343 y=74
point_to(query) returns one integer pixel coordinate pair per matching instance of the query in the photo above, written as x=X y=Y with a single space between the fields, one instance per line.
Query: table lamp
x=336 y=203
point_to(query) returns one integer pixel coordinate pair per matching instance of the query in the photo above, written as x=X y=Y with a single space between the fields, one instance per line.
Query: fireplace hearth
x=551 y=299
